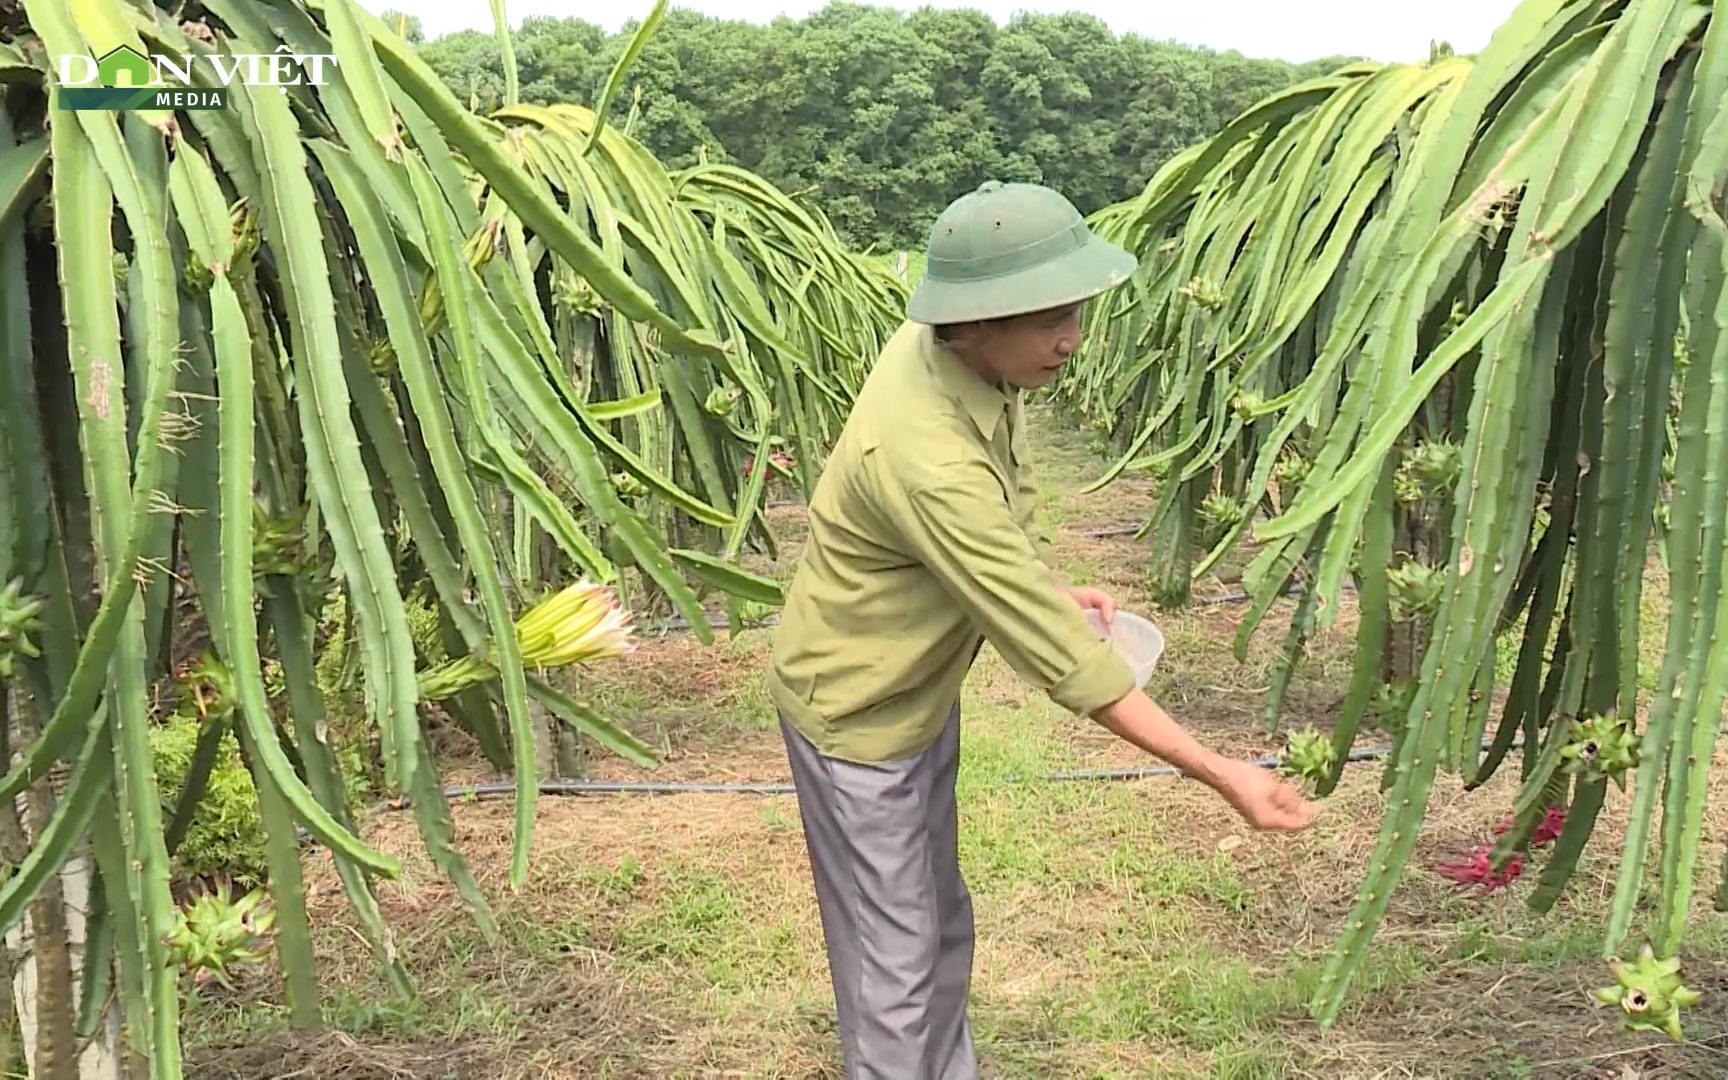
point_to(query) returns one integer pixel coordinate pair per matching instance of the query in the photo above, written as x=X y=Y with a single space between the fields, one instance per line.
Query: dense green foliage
x=1456 y=332
x=305 y=403
x=332 y=411
x=880 y=117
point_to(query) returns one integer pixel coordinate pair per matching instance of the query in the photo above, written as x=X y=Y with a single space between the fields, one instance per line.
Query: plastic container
x=1136 y=639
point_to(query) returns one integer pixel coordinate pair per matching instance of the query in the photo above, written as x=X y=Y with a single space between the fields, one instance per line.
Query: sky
x=1274 y=29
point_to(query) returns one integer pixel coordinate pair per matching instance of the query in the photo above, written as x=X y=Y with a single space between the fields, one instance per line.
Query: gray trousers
x=896 y=916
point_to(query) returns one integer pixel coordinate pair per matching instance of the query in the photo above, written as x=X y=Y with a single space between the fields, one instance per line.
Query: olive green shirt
x=921 y=547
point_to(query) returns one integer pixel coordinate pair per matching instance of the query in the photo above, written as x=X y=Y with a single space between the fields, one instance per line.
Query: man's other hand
x=1094 y=600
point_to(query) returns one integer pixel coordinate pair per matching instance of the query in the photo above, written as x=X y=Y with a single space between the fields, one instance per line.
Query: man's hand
x=1264 y=800
x=1093 y=599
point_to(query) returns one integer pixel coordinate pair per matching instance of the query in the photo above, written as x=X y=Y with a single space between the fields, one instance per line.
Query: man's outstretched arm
x=1264 y=800
x=963 y=531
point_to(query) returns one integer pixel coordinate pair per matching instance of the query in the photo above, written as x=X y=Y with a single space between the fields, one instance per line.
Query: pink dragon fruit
x=1477 y=869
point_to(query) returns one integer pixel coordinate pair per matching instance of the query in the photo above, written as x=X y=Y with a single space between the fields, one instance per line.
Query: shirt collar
x=987 y=405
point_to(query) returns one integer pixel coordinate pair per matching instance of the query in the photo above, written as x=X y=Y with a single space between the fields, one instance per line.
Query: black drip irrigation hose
x=682 y=626
x=1106 y=532
x=572 y=788
x=715 y=622
x=497 y=789
x=622 y=787
x=696 y=787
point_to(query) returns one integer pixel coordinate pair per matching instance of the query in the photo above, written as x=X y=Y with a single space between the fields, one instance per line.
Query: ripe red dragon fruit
x=1477 y=870
x=1547 y=830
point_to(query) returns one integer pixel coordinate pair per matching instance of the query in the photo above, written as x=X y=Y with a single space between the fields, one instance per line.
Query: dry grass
x=1126 y=929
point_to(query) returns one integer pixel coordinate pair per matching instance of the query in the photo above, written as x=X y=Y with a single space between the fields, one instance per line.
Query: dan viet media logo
x=124 y=78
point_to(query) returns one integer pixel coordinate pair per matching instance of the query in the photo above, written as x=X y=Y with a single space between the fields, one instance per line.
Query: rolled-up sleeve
x=961 y=528
x=1031 y=523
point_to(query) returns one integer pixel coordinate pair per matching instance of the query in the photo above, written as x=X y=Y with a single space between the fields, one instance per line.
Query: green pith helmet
x=1011 y=249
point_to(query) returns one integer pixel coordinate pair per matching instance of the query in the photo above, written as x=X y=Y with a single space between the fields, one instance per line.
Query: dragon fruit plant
x=1602 y=746
x=1429 y=470
x=215 y=933
x=1499 y=348
x=18 y=620
x=1308 y=756
x=1649 y=993
x=1414 y=588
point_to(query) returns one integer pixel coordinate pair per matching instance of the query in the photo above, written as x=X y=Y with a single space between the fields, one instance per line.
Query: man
x=920 y=549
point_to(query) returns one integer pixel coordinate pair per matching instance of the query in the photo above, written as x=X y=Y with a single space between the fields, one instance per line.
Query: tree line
x=881 y=117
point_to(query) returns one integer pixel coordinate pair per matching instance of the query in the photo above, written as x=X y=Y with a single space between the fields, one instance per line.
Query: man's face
x=1027 y=350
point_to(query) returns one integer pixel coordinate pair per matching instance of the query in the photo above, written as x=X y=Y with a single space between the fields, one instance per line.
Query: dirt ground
x=1126 y=927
